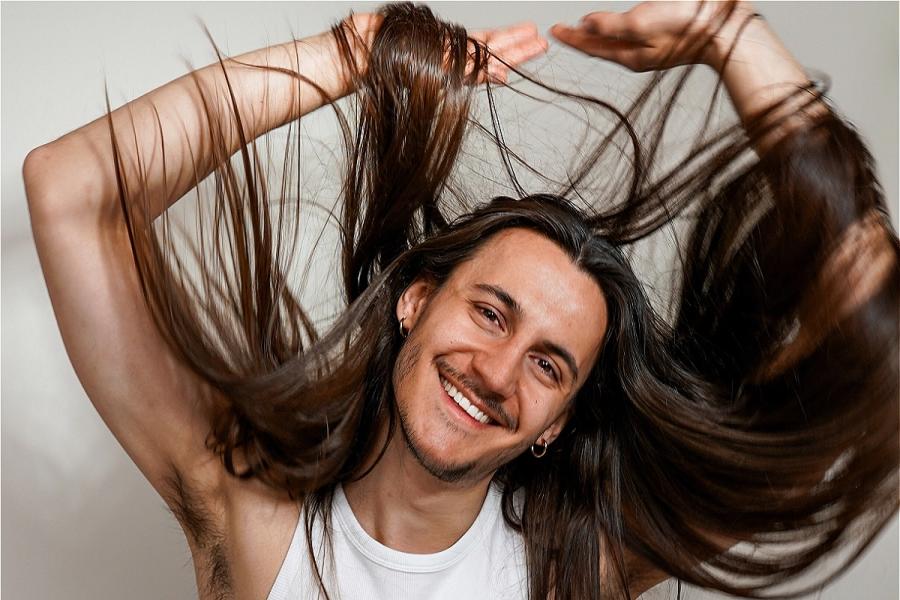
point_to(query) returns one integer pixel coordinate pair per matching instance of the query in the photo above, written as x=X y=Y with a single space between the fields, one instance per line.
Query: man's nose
x=499 y=368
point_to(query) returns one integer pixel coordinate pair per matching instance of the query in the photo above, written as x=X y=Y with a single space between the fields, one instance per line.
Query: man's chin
x=440 y=469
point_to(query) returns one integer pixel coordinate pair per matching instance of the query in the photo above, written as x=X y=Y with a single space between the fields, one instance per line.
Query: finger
x=611 y=25
x=491 y=37
x=633 y=56
x=519 y=31
x=517 y=44
x=590 y=43
x=521 y=50
x=499 y=65
x=511 y=46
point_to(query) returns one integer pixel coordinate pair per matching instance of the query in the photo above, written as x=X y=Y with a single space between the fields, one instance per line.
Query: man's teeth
x=464 y=403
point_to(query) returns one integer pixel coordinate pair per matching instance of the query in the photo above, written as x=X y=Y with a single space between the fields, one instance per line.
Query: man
x=494 y=356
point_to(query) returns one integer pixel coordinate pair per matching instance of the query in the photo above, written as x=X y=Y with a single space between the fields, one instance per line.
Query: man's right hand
x=512 y=45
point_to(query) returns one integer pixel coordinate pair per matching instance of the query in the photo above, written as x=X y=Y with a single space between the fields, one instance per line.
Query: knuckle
x=631 y=25
x=592 y=23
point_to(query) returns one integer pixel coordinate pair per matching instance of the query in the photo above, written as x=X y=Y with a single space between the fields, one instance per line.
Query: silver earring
x=403 y=332
x=538 y=449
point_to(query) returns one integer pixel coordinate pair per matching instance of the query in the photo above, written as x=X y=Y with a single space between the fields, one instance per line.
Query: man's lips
x=463 y=414
x=474 y=400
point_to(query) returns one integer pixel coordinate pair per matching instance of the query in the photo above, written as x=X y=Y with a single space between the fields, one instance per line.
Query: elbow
x=37 y=175
x=32 y=169
x=56 y=185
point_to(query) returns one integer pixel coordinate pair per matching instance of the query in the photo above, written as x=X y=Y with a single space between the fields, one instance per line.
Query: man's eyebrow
x=563 y=354
x=511 y=303
x=503 y=296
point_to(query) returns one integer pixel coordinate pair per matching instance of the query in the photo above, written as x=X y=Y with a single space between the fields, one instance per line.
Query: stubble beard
x=442 y=470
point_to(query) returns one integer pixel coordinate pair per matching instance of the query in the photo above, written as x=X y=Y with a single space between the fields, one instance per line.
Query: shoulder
x=260 y=524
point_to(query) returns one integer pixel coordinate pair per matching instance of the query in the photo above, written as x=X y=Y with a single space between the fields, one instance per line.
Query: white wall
x=79 y=520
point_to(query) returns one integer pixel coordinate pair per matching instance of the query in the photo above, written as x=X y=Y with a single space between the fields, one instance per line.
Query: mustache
x=492 y=400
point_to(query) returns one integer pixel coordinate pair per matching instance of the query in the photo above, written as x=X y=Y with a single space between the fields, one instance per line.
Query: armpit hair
x=196 y=519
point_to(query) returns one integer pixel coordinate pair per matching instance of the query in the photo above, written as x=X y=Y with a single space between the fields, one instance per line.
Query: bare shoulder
x=261 y=523
x=238 y=531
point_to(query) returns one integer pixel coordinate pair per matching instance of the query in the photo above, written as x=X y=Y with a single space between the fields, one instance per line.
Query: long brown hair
x=765 y=410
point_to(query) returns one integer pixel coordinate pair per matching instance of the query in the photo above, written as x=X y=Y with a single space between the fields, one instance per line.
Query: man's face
x=513 y=333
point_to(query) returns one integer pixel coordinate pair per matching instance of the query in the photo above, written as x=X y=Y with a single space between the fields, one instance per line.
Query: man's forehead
x=555 y=296
x=520 y=258
x=517 y=247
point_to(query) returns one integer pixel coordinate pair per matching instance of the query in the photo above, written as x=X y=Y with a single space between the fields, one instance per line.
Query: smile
x=464 y=403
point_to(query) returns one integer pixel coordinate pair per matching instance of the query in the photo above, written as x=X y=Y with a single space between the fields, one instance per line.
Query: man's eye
x=545 y=366
x=490 y=315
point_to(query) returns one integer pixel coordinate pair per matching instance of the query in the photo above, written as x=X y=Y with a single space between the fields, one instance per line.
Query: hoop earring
x=538 y=450
x=403 y=332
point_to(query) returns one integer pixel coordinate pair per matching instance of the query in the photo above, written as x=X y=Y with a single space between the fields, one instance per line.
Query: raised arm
x=173 y=122
x=755 y=67
x=157 y=408
x=136 y=335
x=787 y=307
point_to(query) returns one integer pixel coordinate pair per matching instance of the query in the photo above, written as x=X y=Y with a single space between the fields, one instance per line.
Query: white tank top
x=487 y=562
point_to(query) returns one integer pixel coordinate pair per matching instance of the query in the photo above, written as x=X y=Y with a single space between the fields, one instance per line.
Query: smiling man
x=492 y=361
x=493 y=354
x=511 y=334
x=498 y=412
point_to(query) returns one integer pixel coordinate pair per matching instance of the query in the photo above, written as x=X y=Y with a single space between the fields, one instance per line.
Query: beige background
x=79 y=521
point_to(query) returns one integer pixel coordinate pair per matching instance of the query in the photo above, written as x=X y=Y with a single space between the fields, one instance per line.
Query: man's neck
x=406 y=508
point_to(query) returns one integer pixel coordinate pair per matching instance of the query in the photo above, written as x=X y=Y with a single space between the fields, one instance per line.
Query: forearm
x=759 y=72
x=75 y=175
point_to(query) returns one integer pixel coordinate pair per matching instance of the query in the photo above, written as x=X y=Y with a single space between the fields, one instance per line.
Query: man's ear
x=413 y=301
x=555 y=428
